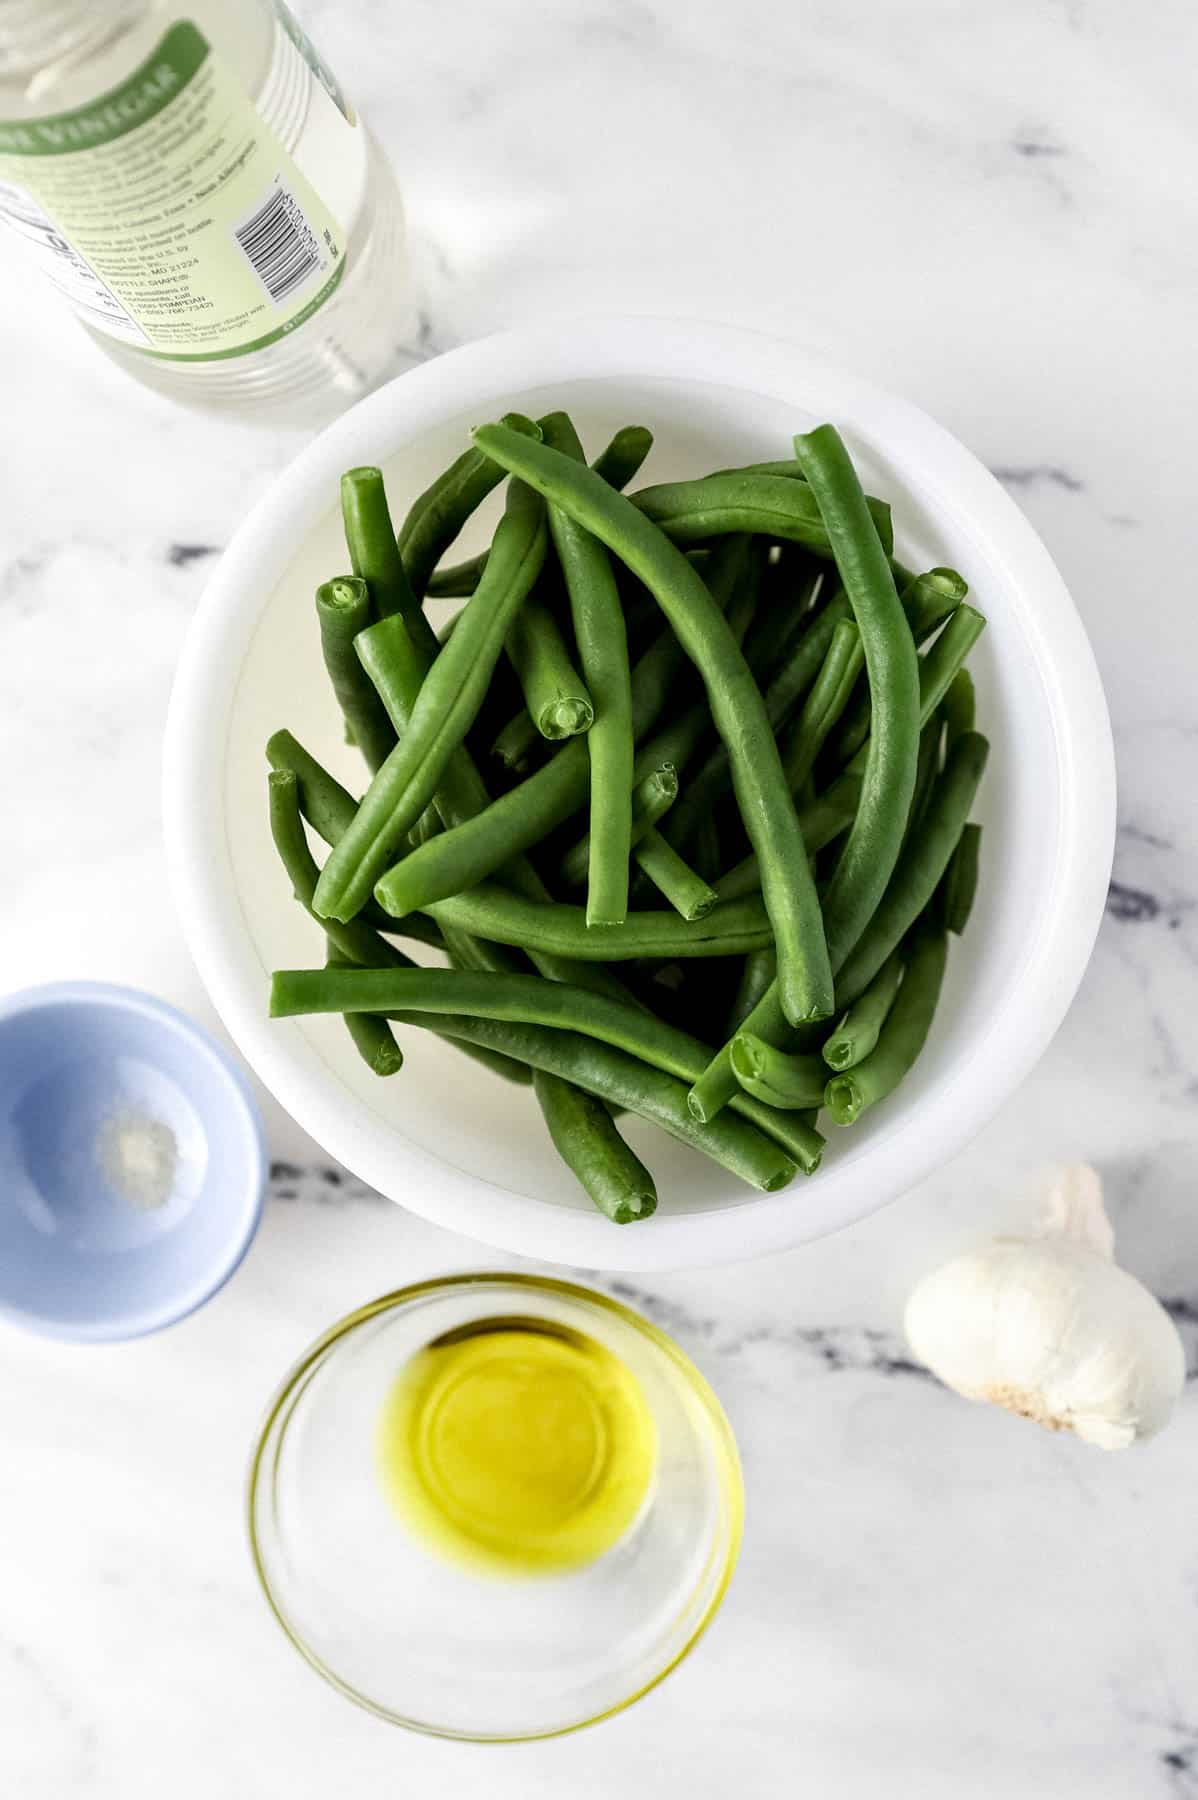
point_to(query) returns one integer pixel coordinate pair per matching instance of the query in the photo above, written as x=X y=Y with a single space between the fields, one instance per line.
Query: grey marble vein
x=181 y=556
x=835 y=1349
x=1032 y=475
x=320 y=1184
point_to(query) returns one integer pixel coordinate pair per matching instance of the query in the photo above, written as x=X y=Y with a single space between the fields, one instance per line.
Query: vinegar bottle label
x=170 y=215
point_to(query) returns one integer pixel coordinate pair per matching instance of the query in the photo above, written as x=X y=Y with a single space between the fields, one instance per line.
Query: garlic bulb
x=1050 y=1327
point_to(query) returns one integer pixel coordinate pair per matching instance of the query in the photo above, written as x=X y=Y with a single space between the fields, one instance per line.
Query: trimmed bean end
x=700 y=906
x=844 y=1100
x=381 y=894
x=815 y=1015
x=601 y=919
x=566 y=718
x=637 y=1206
x=342 y=594
x=387 y=1060
x=747 y=1061
x=947 y=582
x=785 y=1176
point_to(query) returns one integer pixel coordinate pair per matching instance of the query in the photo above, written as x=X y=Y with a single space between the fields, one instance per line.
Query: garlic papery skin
x=1051 y=1328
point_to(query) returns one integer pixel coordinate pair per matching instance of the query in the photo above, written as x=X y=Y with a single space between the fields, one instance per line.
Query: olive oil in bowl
x=494 y=1506
x=517 y=1446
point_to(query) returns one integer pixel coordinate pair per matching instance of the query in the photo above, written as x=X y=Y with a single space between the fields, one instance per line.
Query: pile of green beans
x=682 y=798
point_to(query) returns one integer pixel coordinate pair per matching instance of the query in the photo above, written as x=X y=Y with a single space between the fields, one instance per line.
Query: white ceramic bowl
x=460 y=1146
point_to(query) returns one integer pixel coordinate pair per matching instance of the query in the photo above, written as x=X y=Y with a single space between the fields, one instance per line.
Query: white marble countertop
x=992 y=211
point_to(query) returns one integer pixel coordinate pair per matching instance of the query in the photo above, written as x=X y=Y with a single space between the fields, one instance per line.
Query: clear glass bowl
x=443 y=1648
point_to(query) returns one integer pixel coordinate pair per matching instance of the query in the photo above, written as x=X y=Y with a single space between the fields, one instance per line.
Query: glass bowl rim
x=730 y=1478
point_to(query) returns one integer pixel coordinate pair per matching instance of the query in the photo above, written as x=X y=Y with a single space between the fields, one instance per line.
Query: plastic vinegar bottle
x=199 y=190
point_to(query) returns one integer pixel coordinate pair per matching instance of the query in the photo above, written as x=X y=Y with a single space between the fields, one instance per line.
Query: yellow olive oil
x=517 y=1446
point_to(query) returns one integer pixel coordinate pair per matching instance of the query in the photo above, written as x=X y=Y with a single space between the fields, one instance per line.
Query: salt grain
x=138 y=1158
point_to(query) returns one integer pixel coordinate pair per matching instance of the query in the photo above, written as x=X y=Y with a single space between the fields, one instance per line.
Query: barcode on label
x=282 y=248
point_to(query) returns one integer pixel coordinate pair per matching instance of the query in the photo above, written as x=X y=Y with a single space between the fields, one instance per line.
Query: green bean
x=459 y=580
x=508 y=1068
x=490 y=994
x=924 y=860
x=804 y=976
x=733 y=578
x=776 y=1077
x=374 y=553
x=689 y=512
x=855 y=1036
x=487 y=911
x=941 y=663
x=426 y=826
x=708 y=782
x=324 y=801
x=602 y=640
x=475 y=956
x=388 y=655
x=824 y=704
x=372 y=1037
x=522 y=1000
x=875 y=836
x=585 y=1137
x=413 y=926
x=757 y=972
x=621 y=1080
x=328 y=808
x=717 y=1085
x=651 y=798
x=960 y=885
x=355 y=941
x=790 y=683
x=397 y=669
x=674 y=879
x=675 y=742
x=930 y=598
x=927 y=768
x=902 y=1037
x=343 y=610
x=938 y=668
x=785 y=466
x=518 y=742
x=312 y=787
x=326 y=805
x=517 y=820
x=730 y=577
x=782 y=615
x=623 y=457
x=617 y=464
x=542 y=801
x=822 y=820
x=741 y=607
x=959 y=707
x=445 y=706
x=555 y=694
x=438 y=514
